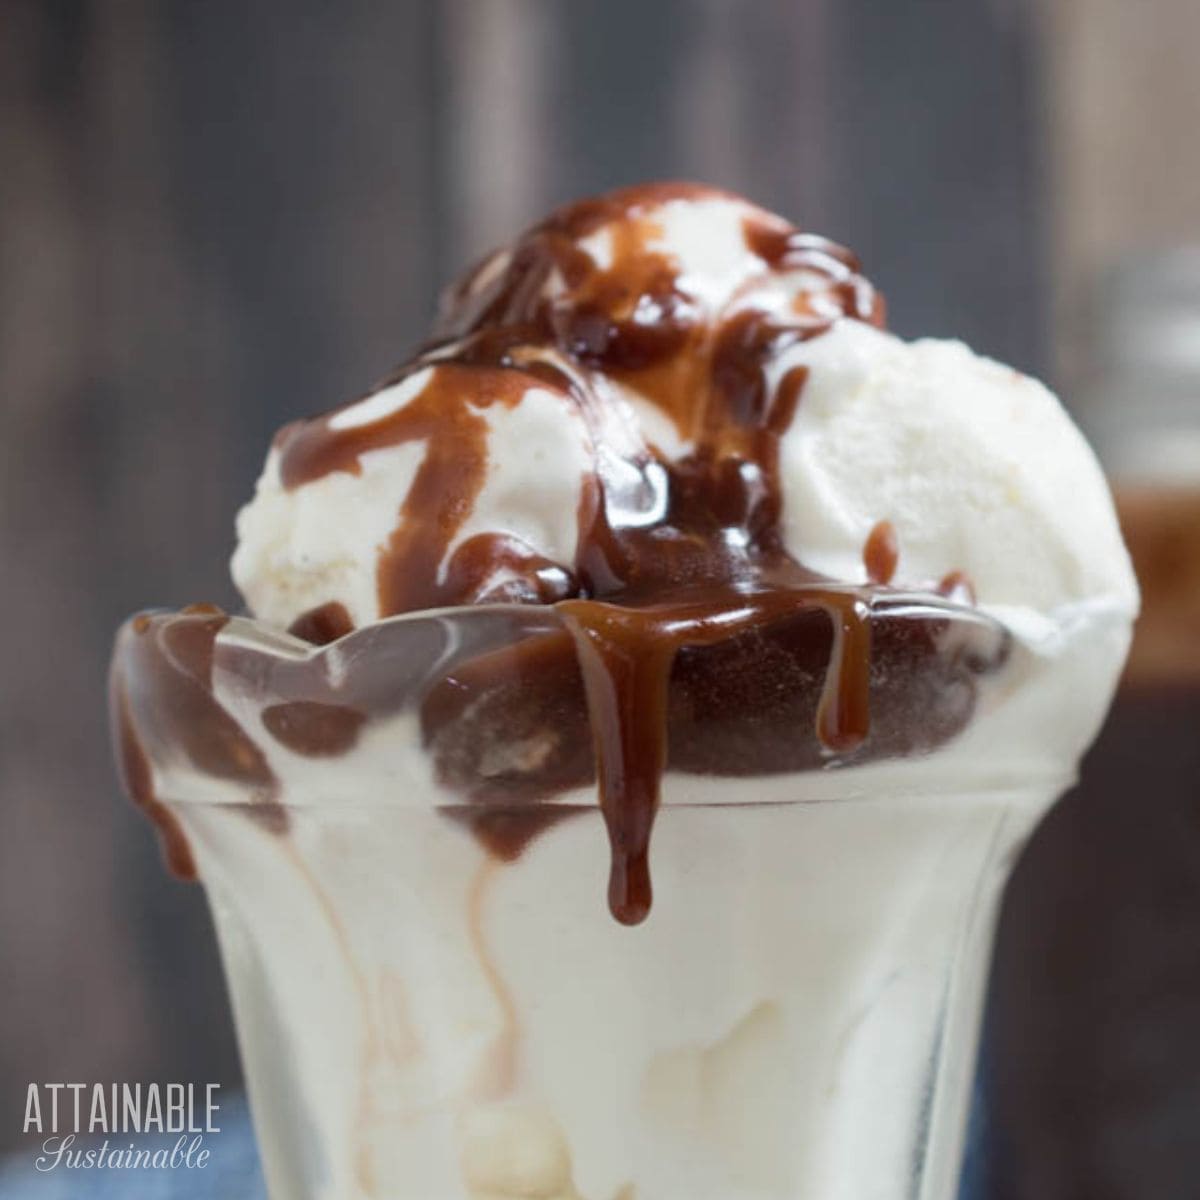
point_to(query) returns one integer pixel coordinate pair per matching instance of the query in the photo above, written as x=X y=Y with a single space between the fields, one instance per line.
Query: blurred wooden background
x=214 y=217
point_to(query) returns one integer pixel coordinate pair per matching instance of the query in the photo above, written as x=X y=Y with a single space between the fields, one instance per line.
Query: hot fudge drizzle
x=679 y=553
x=681 y=584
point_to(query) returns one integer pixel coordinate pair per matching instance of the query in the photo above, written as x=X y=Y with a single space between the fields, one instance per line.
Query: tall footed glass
x=406 y=864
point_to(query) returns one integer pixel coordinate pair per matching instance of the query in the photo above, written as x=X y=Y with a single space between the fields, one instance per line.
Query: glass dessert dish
x=660 y=539
x=405 y=859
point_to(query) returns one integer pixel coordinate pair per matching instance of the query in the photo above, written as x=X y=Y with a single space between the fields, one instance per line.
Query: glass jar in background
x=1145 y=422
x=1097 y=983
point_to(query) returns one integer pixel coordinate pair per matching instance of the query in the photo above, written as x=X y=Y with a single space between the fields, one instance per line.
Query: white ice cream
x=807 y=985
x=799 y=1012
x=977 y=466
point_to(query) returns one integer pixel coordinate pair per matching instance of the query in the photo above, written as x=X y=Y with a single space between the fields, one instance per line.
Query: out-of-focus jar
x=1143 y=412
x=1097 y=982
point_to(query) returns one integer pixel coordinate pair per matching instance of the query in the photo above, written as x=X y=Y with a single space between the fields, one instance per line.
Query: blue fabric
x=978 y=1175
x=232 y=1172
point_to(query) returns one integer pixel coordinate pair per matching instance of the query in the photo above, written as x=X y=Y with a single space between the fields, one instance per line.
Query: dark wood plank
x=211 y=220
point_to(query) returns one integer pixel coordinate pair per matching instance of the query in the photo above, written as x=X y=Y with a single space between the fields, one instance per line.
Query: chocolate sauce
x=137 y=777
x=507 y=829
x=314 y=729
x=881 y=554
x=323 y=624
x=957 y=587
x=626 y=654
x=681 y=590
x=162 y=680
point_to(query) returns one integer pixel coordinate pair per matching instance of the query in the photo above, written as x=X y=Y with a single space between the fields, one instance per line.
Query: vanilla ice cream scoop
x=645 y=330
x=565 y=373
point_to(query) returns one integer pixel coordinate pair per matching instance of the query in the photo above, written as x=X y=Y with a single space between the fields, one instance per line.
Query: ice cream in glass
x=642 y=695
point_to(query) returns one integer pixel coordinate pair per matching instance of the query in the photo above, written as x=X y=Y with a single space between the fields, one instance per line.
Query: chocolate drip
x=137 y=777
x=957 y=587
x=626 y=655
x=162 y=679
x=881 y=554
x=681 y=599
x=676 y=554
x=314 y=729
x=506 y=829
x=323 y=624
